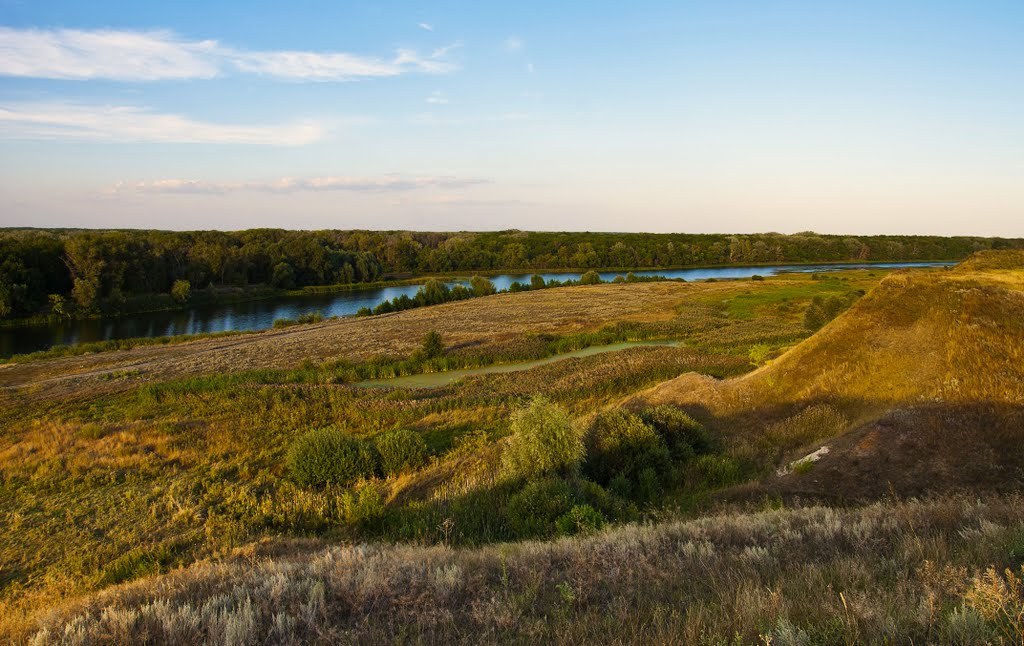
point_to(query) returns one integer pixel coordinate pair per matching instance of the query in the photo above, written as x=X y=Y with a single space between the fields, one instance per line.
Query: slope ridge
x=927 y=372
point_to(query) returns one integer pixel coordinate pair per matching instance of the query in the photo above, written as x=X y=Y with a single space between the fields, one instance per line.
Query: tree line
x=61 y=272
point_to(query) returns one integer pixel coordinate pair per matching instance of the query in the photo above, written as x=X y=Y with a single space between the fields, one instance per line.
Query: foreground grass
x=891 y=572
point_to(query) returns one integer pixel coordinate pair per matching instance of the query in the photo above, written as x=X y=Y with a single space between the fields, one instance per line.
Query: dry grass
x=562 y=310
x=927 y=370
x=895 y=572
x=676 y=309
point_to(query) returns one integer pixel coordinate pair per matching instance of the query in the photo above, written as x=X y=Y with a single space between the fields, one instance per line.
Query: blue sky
x=855 y=117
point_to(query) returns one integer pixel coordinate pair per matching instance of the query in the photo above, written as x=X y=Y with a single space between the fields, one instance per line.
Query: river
x=261 y=314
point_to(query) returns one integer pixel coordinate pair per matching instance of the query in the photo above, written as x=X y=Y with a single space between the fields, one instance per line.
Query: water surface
x=261 y=314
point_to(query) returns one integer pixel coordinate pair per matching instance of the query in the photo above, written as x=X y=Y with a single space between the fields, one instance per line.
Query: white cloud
x=69 y=121
x=159 y=55
x=514 y=44
x=529 y=68
x=382 y=183
x=437 y=98
x=426 y=25
x=116 y=55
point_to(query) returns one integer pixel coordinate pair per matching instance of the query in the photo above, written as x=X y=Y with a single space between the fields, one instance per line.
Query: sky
x=861 y=117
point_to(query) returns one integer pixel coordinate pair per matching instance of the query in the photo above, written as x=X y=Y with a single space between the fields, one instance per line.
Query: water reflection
x=260 y=315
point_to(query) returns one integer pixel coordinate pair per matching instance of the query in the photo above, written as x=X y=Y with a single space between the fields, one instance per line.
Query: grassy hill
x=918 y=387
x=158 y=505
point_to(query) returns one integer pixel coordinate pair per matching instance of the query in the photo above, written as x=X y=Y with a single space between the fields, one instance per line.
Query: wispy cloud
x=514 y=44
x=162 y=55
x=426 y=26
x=431 y=119
x=437 y=98
x=373 y=184
x=70 y=121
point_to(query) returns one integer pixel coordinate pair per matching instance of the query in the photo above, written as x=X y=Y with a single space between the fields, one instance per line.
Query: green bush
x=543 y=441
x=581 y=519
x=619 y=446
x=181 y=290
x=401 y=450
x=433 y=345
x=533 y=511
x=590 y=278
x=482 y=286
x=684 y=436
x=330 y=456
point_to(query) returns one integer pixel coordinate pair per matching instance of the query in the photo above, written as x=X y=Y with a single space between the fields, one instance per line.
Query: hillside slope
x=918 y=387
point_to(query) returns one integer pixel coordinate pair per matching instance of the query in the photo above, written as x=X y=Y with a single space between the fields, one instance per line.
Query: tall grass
x=891 y=572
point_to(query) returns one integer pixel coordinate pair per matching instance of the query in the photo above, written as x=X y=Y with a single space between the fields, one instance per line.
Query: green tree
x=543 y=441
x=181 y=291
x=86 y=293
x=283 y=276
x=481 y=286
x=537 y=281
x=433 y=345
x=433 y=292
x=590 y=278
x=58 y=306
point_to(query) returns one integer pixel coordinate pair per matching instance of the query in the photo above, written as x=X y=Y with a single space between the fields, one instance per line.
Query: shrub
x=543 y=441
x=433 y=345
x=684 y=436
x=310 y=317
x=330 y=456
x=401 y=450
x=822 y=310
x=481 y=286
x=537 y=282
x=590 y=278
x=551 y=506
x=534 y=510
x=581 y=519
x=620 y=446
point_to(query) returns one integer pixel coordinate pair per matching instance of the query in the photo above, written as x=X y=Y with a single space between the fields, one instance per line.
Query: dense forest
x=68 y=272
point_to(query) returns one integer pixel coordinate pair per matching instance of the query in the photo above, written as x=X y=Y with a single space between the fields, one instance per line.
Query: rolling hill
x=917 y=388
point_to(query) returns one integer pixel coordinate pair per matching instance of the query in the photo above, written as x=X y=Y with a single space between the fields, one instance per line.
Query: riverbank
x=216 y=296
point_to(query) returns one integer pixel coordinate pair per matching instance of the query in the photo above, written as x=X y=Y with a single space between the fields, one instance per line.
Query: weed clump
x=329 y=456
x=401 y=450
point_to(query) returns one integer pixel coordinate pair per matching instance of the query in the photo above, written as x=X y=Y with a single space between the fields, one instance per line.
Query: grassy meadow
x=175 y=492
